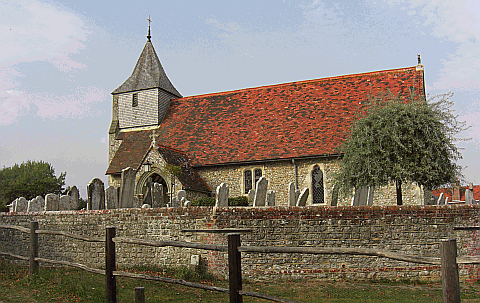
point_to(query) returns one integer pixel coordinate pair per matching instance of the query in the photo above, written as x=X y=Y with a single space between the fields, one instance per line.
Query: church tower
x=143 y=99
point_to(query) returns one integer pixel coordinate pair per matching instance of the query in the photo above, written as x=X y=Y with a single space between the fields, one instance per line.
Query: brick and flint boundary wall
x=413 y=230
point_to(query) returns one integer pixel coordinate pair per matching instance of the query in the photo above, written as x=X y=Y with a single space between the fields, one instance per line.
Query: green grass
x=72 y=285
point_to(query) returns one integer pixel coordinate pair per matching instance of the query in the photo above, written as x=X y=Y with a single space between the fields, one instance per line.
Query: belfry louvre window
x=250 y=178
x=135 y=100
x=317 y=185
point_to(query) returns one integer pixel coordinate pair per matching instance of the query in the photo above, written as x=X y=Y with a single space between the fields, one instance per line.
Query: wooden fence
x=448 y=260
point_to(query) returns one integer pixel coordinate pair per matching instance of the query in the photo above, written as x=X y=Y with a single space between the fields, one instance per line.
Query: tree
x=401 y=141
x=29 y=179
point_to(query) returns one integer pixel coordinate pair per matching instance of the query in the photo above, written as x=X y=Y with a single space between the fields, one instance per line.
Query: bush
x=238 y=201
x=206 y=201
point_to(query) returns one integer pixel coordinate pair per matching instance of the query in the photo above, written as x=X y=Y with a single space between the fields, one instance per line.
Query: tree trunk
x=398 y=184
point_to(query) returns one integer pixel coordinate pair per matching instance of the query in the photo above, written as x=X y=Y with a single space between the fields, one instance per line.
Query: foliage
x=206 y=201
x=172 y=170
x=29 y=179
x=398 y=141
x=238 y=201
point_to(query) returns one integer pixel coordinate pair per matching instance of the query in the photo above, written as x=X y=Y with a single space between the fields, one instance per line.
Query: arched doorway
x=147 y=188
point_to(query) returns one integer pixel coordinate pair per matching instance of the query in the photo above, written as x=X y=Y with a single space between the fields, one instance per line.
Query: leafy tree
x=402 y=141
x=29 y=179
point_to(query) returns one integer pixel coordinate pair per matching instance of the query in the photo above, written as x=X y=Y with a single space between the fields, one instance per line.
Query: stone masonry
x=413 y=230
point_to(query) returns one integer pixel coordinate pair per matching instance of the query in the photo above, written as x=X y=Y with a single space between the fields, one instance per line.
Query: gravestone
x=187 y=204
x=181 y=197
x=158 y=200
x=75 y=195
x=11 y=206
x=96 y=194
x=441 y=199
x=127 y=188
x=260 y=192
x=41 y=202
x=146 y=206
x=297 y=195
x=65 y=203
x=302 y=200
x=371 y=191
x=251 y=196
x=446 y=200
x=469 y=199
x=21 y=205
x=174 y=202
x=51 y=202
x=35 y=205
x=221 y=199
x=136 y=202
x=428 y=197
x=270 y=198
x=361 y=196
x=292 y=197
x=111 y=198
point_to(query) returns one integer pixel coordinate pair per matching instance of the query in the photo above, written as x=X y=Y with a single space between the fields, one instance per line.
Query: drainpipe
x=296 y=170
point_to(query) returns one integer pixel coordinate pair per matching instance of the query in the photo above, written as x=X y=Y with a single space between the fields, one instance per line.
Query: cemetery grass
x=73 y=285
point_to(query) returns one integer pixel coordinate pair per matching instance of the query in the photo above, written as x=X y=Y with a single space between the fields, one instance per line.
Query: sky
x=60 y=60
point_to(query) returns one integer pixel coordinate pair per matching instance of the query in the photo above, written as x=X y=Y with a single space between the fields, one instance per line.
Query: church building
x=288 y=132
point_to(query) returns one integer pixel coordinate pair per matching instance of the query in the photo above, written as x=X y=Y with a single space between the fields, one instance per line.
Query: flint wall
x=414 y=230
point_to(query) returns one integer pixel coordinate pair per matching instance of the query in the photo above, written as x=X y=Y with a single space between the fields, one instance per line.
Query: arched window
x=317 y=185
x=247 y=175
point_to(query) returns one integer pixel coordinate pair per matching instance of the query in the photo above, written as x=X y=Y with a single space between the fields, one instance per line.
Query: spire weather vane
x=149 y=21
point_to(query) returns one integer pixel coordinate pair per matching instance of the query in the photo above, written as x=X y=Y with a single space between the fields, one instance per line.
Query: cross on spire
x=154 y=138
x=149 y=21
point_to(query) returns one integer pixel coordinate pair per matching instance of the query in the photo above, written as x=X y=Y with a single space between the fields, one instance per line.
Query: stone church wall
x=281 y=173
x=412 y=230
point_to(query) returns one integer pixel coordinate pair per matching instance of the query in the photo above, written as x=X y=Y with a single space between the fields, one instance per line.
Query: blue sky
x=60 y=60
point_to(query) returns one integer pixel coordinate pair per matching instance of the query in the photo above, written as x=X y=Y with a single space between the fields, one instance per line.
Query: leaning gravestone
x=292 y=198
x=96 y=194
x=221 y=199
x=251 y=196
x=441 y=199
x=302 y=200
x=11 y=206
x=260 y=192
x=157 y=194
x=21 y=205
x=65 y=203
x=111 y=198
x=35 y=205
x=127 y=188
x=271 y=198
x=73 y=192
x=51 y=202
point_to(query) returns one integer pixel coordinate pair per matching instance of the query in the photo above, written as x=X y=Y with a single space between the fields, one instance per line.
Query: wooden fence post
x=234 y=268
x=139 y=294
x=450 y=283
x=110 y=267
x=33 y=268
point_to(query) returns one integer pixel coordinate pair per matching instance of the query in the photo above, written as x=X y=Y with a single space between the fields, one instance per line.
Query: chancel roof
x=148 y=73
x=283 y=121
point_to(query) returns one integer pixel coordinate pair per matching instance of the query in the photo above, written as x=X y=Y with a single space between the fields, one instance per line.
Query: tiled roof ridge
x=403 y=69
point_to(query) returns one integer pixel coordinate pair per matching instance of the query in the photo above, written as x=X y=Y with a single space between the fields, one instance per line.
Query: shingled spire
x=148 y=73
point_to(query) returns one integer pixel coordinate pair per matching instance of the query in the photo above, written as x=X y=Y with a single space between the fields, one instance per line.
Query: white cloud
x=458 y=22
x=39 y=32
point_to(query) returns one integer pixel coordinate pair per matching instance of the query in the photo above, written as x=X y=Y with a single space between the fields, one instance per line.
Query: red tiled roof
x=298 y=119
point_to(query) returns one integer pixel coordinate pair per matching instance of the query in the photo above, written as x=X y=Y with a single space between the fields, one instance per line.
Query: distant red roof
x=448 y=192
x=298 y=119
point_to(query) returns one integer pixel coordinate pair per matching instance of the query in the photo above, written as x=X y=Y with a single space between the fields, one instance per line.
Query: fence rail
x=448 y=260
